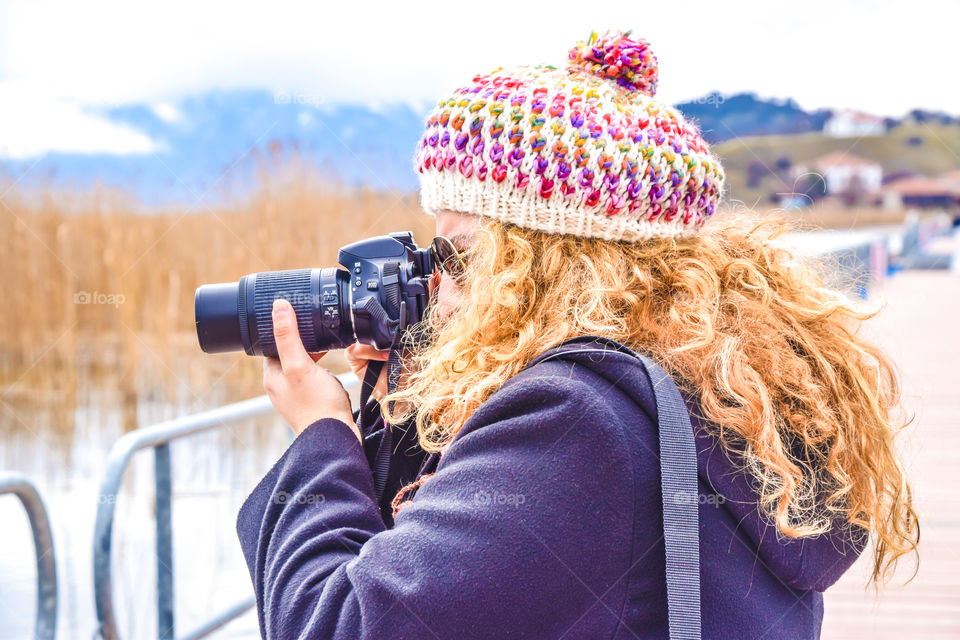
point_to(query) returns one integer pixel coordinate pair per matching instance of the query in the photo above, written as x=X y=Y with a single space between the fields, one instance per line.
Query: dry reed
x=100 y=296
x=103 y=297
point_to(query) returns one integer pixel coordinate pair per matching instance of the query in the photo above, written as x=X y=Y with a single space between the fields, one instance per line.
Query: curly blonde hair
x=774 y=354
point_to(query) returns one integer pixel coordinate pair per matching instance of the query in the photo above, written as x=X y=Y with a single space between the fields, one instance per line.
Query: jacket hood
x=803 y=564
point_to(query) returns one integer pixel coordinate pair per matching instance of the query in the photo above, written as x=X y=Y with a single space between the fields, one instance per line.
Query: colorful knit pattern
x=583 y=150
x=630 y=63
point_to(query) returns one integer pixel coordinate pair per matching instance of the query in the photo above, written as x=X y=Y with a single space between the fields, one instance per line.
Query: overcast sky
x=55 y=57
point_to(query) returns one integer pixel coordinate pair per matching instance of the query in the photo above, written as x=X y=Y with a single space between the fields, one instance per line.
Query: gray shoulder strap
x=681 y=498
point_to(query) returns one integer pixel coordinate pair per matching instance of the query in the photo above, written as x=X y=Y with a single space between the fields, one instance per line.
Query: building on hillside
x=942 y=192
x=847 y=174
x=842 y=179
x=849 y=123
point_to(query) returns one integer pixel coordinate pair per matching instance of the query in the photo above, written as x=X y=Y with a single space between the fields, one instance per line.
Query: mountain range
x=212 y=147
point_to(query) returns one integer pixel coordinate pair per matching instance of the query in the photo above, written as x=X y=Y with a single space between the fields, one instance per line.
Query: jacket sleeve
x=519 y=533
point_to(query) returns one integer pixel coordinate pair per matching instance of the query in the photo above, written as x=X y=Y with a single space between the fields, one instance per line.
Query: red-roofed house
x=920 y=191
x=845 y=173
x=848 y=123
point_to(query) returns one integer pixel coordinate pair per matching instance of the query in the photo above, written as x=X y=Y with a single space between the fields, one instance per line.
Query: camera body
x=381 y=290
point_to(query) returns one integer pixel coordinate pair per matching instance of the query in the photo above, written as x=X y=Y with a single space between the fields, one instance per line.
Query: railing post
x=46 y=621
x=46 y=573
x=158 y=437
x=164 y=513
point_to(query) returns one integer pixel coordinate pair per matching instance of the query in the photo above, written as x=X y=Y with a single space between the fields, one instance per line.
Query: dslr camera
x=381 y=289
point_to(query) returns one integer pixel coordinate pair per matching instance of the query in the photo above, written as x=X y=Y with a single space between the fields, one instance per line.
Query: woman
x=524 y=493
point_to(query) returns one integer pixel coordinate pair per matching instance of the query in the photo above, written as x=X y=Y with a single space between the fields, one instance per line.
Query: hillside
x=921 y=148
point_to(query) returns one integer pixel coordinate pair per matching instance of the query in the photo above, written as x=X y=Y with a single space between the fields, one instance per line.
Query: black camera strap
x=381 y=465
x=366 y=388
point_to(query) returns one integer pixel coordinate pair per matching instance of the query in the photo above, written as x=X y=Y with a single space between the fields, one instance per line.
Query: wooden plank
x=920 y=328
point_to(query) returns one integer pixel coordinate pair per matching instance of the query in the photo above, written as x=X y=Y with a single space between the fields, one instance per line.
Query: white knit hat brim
x=451 y=191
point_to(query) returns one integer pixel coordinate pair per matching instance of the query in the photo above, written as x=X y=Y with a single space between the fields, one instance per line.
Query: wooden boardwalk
x=920 y=328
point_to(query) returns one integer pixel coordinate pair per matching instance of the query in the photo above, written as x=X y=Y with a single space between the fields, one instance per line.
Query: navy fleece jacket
x=541 y=520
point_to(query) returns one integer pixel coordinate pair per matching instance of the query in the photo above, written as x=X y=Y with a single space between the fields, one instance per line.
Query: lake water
x=213 y=473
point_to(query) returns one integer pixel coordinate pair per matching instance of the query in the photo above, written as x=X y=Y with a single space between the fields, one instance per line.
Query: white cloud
x=167 y=112
x=34 y=123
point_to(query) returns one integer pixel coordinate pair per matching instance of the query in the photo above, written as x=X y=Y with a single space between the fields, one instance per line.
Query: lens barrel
x=239 y=315
x=300 y=287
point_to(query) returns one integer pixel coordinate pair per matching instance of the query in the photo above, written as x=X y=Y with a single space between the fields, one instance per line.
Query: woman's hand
x=301 y=391
x=358 y=355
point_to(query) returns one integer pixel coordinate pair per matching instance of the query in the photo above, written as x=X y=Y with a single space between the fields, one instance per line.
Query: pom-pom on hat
x=583 y=149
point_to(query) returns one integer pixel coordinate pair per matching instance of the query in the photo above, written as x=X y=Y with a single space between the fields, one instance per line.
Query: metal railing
x=158 y=438
x=18 y=485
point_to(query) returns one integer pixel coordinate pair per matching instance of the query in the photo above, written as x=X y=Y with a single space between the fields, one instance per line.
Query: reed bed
x=98 y=294
x=102 y=298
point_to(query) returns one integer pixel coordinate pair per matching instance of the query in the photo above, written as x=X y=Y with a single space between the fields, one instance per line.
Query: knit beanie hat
x=584 y=149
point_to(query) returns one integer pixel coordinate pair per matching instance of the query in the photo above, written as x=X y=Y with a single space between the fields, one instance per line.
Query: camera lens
x=215 y=307
x=381 y=291
x=239 y=315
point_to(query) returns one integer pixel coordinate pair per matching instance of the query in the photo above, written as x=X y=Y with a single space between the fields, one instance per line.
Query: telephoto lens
x=380 y=291
x=237 y=315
